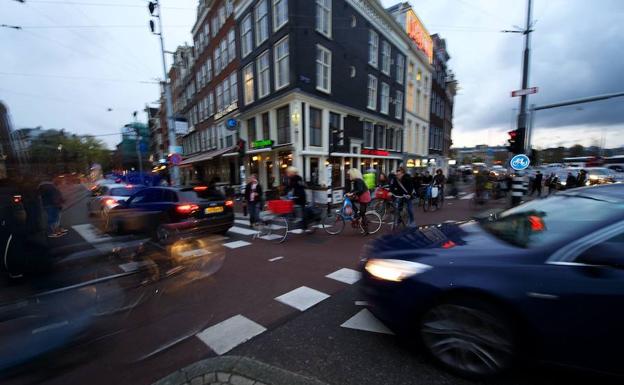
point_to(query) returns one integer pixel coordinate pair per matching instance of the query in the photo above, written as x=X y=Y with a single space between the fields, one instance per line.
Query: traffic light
x=241 y=147
x=515 y=142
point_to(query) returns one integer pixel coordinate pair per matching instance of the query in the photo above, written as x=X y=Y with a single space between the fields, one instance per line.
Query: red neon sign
x=366 y=151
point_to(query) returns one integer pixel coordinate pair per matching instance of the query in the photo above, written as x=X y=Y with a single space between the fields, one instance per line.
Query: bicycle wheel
x=400 y=221
x=279 y=229
x=333 y=223
x=374 y=222
x=426 y=204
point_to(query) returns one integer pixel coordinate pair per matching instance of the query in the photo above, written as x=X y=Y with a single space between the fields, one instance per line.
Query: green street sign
x=261 y=144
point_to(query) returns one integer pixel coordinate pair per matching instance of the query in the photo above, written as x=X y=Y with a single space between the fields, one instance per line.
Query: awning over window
x=206 y=156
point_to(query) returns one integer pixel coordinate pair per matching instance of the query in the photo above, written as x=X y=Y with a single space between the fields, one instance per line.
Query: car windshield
x=123 y=191
x=548 y=221
x=599 y=172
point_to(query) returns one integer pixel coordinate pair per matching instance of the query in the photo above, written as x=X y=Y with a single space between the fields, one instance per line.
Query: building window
x=352 y=71
x=283 y=125
x=215 y=26
x=398 y=105
x=219 y=97
x=385 y=57
x=334 y=129
x=248 y=81
x=323 y=69
x=251 y=130
x=372 y=92
x=246 y=38
x=263 y=74
x=373 y=48
x=224 y=54
x=227 y=98
x=262 y=22
x=368 y=134
x=221 y=16
x=266 y=126
x=380 y=135
x=400 y=68
x=390 y=139
x=231 y=41
x=282 y=65
x=229 y=141
x=409 y=103
x=419 y=75
x=210 y=104
x=353 y=21
x=316 y=127
x=418 y=110
x=208 y=70
x=323 y=17
x=229 y=7
x=385 y=98
x=206 y=34
x=280 y=13
x=233 y=88
x=217 y=60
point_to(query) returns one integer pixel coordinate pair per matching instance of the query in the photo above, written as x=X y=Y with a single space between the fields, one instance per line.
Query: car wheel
x=471 y=338
x=162 y=235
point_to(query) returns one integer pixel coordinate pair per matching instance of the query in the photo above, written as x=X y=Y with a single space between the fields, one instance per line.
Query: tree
x=577 y=150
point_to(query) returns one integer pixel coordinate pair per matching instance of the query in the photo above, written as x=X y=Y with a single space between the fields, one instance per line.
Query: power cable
x=79 y=78
x=102 y=4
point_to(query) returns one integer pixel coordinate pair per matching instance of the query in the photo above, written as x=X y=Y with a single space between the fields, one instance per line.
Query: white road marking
x=236 y=244
x=467 y=196
x=345 y=275
x=134 y=266
x=366 y=321
x=296 y=231
x=228 y=334
x=242 y=222
x=275 y=259
x=240 y=216
x=91 y=234
x=242 y=231
x=302 y=298
x=270 y=237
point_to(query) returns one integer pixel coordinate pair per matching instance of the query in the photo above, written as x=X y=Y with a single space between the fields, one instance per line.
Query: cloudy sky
x=76 y=59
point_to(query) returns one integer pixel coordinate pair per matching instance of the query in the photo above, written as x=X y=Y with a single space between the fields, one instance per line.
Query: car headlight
x=395 y=270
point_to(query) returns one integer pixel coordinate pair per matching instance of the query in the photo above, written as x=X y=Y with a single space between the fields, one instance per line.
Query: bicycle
x=382 y=204
x=431 y=198
x=334 y=223
x=280 y=219
x=481 y=197
x=401 y=216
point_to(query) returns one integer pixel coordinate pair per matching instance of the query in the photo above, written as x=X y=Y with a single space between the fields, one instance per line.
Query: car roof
x=613 y=193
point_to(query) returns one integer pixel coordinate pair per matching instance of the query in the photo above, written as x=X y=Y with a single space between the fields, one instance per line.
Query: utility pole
x=138 y=145
x=174 y=170
x=522 y=116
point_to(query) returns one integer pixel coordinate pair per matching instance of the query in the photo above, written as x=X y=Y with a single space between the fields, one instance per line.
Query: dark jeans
x=54 y=217
x=254 y=211
x=410 y=209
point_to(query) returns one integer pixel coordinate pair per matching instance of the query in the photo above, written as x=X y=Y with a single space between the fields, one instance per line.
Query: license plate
x=213 y=210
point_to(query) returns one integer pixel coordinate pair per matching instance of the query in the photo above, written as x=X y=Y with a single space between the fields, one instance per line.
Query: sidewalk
x=235 y=370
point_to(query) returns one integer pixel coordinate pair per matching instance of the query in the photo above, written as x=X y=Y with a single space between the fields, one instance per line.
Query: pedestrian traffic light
x=241 y=147
x=515 y=142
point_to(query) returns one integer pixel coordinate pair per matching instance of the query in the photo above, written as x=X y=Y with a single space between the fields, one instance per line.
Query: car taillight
x=17 y=199
x=186 y=208
x=110 y=202
x=229 y=203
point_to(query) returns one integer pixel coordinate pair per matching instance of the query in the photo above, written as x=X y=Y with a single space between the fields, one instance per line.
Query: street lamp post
x=173 y=169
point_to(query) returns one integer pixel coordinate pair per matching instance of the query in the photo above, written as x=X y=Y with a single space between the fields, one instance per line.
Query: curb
x=234 y=370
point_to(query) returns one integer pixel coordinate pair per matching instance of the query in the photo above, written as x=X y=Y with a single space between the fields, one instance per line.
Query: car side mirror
x=603 y=254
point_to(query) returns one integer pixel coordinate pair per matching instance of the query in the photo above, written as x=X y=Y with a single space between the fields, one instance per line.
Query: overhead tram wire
x=111 y=5
x=153 y=82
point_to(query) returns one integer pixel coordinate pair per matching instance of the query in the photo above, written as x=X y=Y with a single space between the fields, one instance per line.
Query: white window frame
x=373 y=46
x=208 y=70
x=246 y=36
x=219 y=97
x=225 y=60
x=283 y=4
x=276 y=61
x=398 y=104
x=371 y=142
x=400 y=68
x=222 y=16
x=217 y=59
x=386 y=52
x=214 y=25
x=233 y=88
x=227 y=97
x=211 y=106
x=263 y=75
x=320 y=66
x=372 y=91
x=248 y=95
x=260 y=20
x=385 y=98
x=324 y=17
x=320 y=129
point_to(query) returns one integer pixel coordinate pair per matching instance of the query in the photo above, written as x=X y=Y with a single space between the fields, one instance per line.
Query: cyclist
x=295 y=188
x=358 y=191
x=439 y=180
x=403 y=187
x=480 y=181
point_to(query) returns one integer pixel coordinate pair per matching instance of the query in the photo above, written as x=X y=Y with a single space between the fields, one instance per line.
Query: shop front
x=269 y=162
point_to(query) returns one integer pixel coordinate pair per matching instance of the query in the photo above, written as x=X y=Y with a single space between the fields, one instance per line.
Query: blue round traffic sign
x=232 y=123
x=520 y=162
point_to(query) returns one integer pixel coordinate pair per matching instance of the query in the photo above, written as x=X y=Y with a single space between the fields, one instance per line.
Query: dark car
x=163 y=211
x=544 y=280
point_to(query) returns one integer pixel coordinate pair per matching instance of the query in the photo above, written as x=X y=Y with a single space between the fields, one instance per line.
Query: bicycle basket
x=434 y=192
x=382 y=193
x=280 y=206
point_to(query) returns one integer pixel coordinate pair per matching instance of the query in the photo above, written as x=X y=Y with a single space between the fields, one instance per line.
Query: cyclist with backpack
x=358 y=191
x=402 y=187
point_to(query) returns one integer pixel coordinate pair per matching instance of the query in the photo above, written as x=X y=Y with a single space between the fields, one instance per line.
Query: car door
x=580 y=303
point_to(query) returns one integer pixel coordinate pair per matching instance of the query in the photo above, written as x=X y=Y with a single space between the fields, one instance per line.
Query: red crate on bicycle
x=280 y=206
x=382 y=193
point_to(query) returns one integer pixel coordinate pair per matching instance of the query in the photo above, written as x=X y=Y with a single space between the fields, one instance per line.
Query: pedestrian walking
x=253 y=198
x=404 y=186
x=551 y=182
x=295 y=188
x=537 y=184
x=570 y=181
x=581 y=179
x=358 y=191
x=52 y=202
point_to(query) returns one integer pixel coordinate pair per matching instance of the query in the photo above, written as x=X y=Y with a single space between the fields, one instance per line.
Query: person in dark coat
x=402 y=186
x=357 y=190
x=52 y=201
x=537 y=184
x=253 y=198
x=295 y=188
x=427 y=178
x=570 y=181
x=581 y=179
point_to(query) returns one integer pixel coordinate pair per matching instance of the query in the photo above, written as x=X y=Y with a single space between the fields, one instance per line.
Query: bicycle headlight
x=394 y=270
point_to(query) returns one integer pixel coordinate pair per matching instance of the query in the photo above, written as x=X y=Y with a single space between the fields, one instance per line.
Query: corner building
x=322 y=83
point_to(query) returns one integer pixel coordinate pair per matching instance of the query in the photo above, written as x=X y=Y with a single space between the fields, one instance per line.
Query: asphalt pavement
x=283 y=304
